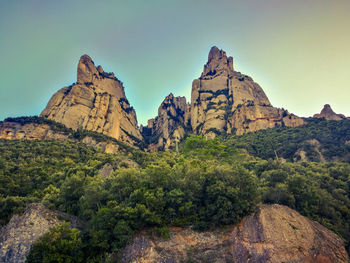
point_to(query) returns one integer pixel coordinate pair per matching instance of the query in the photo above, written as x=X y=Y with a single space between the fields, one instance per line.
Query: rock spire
x=328 y=114
x=96 y=102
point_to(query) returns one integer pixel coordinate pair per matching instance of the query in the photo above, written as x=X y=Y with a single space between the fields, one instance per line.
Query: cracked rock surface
x=274 y=234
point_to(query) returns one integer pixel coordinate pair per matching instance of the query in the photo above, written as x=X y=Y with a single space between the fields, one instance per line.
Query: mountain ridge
x=223 y=101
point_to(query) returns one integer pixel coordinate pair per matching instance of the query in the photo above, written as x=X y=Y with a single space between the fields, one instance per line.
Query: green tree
x=61 y=245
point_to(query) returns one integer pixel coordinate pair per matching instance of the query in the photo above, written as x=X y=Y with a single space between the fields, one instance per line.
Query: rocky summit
x=328 y=114
x=170 y=124
x=273 y=234
x=96 y=102
x=222 y=101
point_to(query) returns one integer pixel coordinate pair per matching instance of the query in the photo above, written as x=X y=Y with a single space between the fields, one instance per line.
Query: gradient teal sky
x=298 y=51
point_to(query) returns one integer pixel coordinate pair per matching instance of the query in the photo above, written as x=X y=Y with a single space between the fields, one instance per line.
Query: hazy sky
x=297 y=50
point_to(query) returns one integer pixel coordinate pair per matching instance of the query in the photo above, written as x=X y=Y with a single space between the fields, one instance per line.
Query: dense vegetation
x=208 y=184
x=319 y=139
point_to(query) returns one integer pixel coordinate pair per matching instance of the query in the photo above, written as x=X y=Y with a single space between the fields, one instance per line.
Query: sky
x=298 y=51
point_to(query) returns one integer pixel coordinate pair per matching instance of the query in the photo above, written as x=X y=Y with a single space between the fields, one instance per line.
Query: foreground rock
x=19 y=235
x=274 y=233
x=328 y=114
x=96 y=102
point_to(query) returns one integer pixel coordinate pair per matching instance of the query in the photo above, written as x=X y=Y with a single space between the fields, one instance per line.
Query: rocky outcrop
x=328 y=114
x=279 y=234
x=273 y=234
x=169 y=126
x=19 y=235
x=12 y=130
x=96 y=102
x=30 y=131
x=224 y=100
x=311 y=151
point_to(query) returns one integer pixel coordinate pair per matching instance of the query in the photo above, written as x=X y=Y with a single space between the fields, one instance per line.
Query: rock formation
x=14 y=130
x=279 y=234
x=169 y=125
x=224 y=100
x=328 y=114
x=273 y=234
x=19 y=235
x=96 y=102
x=30 y=131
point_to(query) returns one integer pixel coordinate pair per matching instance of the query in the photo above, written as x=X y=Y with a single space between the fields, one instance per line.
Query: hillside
x=228 y=159
x=318 y=141
x=207 y=185
x=39 y=128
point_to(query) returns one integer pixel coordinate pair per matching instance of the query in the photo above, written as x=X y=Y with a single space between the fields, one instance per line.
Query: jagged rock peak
x=97 y=102
x=223 y=100
x=218 y=63
x=169 y=125
x=329 y=114
x=327 y=109
x=215 y=52
x=86 y=69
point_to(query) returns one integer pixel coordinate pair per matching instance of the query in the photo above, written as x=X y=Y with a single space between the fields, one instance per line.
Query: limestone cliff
x=224 y=100
x=328 y=114
x=19 y=235
x=34 y=130
x=96 y=102
x=170 y=123
x=273 y=234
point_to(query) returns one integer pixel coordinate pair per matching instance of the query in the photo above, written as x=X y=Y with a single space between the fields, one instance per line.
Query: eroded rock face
x=19 y=235
x=328 y=114
x=29 y=131
x=279 y=234
x=35 y=131
x=97 y=102
x=224 y=100
x=273 y=234
x=169 y=125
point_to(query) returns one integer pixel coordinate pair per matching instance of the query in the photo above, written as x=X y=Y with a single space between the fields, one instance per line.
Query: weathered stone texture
x=274 y=234
x=170 y=123
x=19 y=235
x=224 y=100
x=35 y=131
x=97 y=102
